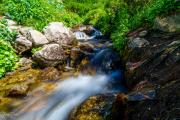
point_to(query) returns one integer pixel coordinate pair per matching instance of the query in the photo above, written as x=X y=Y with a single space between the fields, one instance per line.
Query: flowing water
x=73 y=91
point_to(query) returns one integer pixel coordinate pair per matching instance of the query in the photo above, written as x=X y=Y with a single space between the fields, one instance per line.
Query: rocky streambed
x=75 y=74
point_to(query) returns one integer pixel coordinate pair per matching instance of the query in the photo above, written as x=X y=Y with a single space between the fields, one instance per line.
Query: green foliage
x=117 y=17
x=35 y=49
x=38 y=13
x=113 y=17
x=5 y=33
x=8 y=58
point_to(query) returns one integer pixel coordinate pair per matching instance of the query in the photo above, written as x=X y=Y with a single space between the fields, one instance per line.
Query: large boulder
x=22 y=44
x=37 y=38
x=58 y=33
x=50 y=55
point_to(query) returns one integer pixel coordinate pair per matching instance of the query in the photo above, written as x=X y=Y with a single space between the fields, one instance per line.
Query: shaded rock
x=25 y=62
x=37 y=38
x=58 y=33
x=138 y=42
x=168 y=24
x=50 y=55
x=80 y=53
x=22 y=44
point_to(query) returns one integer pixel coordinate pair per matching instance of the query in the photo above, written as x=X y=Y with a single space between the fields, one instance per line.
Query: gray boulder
x=37 y=38
x=50 y=55
x=58 y=33
x=22 y=44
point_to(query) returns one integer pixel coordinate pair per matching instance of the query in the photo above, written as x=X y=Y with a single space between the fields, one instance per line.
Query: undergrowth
x=8 y=57
x=38 y=13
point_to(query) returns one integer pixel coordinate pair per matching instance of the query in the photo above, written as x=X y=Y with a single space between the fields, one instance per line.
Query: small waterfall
x=69 y=94
x=80 y=35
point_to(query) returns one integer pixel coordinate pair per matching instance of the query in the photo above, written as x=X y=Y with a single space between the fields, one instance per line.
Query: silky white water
x=69 y=94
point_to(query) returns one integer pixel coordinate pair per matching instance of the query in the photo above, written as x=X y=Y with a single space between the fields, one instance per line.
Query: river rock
x=58 y=33
x=49 y=74
x=168 y=24
x=50 y=55
x=138 y=42
x=37 y=38
x=22 y=44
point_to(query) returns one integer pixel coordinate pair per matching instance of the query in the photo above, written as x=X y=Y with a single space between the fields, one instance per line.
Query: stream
x=74 y=90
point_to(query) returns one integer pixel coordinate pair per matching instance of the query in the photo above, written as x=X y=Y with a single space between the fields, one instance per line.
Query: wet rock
x=50 y=55
x=140 y=96
x=22 y=44
x=58 y=33
x=138 y=43
x=169 y=23
x=37 y=38
x=102 y=107
x=80 y=53
x=18 y=82
x=96 y=108
x=50 y=74
x=76 y=56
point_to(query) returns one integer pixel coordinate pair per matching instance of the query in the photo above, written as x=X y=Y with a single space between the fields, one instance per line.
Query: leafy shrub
x=5 y=33
x=8 y=58
x=37 y=13
x=117 y=17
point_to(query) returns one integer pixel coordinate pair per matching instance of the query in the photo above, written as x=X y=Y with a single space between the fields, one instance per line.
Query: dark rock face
x=153 y=78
